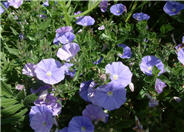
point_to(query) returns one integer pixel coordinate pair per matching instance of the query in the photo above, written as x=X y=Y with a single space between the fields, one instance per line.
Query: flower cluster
x=102 y=98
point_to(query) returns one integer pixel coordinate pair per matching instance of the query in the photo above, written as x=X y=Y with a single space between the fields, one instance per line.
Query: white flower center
x=149 y=68
x=115 y=77
x=49 y=73
x=109 y=93
x=173 y=9
x=83 y=129
x=118 y=11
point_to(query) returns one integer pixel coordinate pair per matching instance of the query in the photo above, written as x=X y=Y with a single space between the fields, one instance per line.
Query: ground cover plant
x=92 y=66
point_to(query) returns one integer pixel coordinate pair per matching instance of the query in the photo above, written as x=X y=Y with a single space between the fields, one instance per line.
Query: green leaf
x=6 y=90
x=166 y=28
x=30 y=99
x=14 y=31
x=155 y=71
x=149 y=79
x=12 y=51
x=20 y=95
x=5 y=102
x=11 y=109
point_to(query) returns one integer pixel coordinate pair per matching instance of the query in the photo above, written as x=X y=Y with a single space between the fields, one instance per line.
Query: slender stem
x=66 y=15
x=87 y=11
x=130 y=14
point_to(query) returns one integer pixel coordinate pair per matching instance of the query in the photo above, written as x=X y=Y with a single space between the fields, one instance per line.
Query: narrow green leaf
x=6 y=89
x=11 y=110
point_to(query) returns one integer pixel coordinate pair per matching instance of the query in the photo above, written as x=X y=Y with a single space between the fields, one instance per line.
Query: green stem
x=87 y=11
x=132 y=10
x=66 y=15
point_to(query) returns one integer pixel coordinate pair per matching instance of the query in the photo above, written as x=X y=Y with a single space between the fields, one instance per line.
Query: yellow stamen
x=149 y=68
x=115 y=77
x=49 y=73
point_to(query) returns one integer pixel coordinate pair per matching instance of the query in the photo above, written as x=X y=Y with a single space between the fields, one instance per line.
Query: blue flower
x=118 y=9
x=65 y=129
x=126 y=51
x=159 y=85
x=6 y=5
x=85 y=21
x=110 y=96
x=148 y=62
x=80 y=124
x=95 y=112
x=140 y=16
x=86 y=88
x=173 y=8
x=41 y=119
x=98 y=61
x=51 y=102
x=64 y=35
x=103 y=5
x=46 y=3
x=119 y=73
x=15 y=3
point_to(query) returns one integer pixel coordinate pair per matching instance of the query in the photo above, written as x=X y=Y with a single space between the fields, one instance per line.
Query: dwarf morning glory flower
x=21 y=36
x=173 y=8
x=40 y=119
x=85 y=21
x=40 y=89
x=46 y=3
x=159 y=85
x=15 y=3
x=177 y=99
x=64 y=29
x=153 y=102
x=77 y=13
x=61 y=31
x=51 y=102
x=140 y=16
x=103 y=5
x=29 y=69
x=183 y=39
x=68 y=71
x=95 y=112
x=110 y=96
x=118 y=9
x=6 y=5
x=126 y=51
x=119 y=73
x=147 y=64
x=180 y=53
x=80 y=124
x=65 y=129
x=98 y=61
x=68 y=51
x=19 y=87
x=50 y=71
x=85 y=89
x=101 y=27
x=68 y=37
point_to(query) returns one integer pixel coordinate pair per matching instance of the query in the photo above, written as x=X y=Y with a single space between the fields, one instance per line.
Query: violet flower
x=148 y=62
x=86 y=90
x=40 y=119
x=173 y=8
x=126 y=51
x=64 y=35
x=103 y=5
x=29 y=69
x=85 y=21
x=140 y=16
x=51 y=102
x=50 y=71
x=80 y=124
x=119 y=73
x=118 y=9
x=68 y=51
x=6 y=5
x=15 y=3
x=159 y=85
x=111 y=96
x=95 y=113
